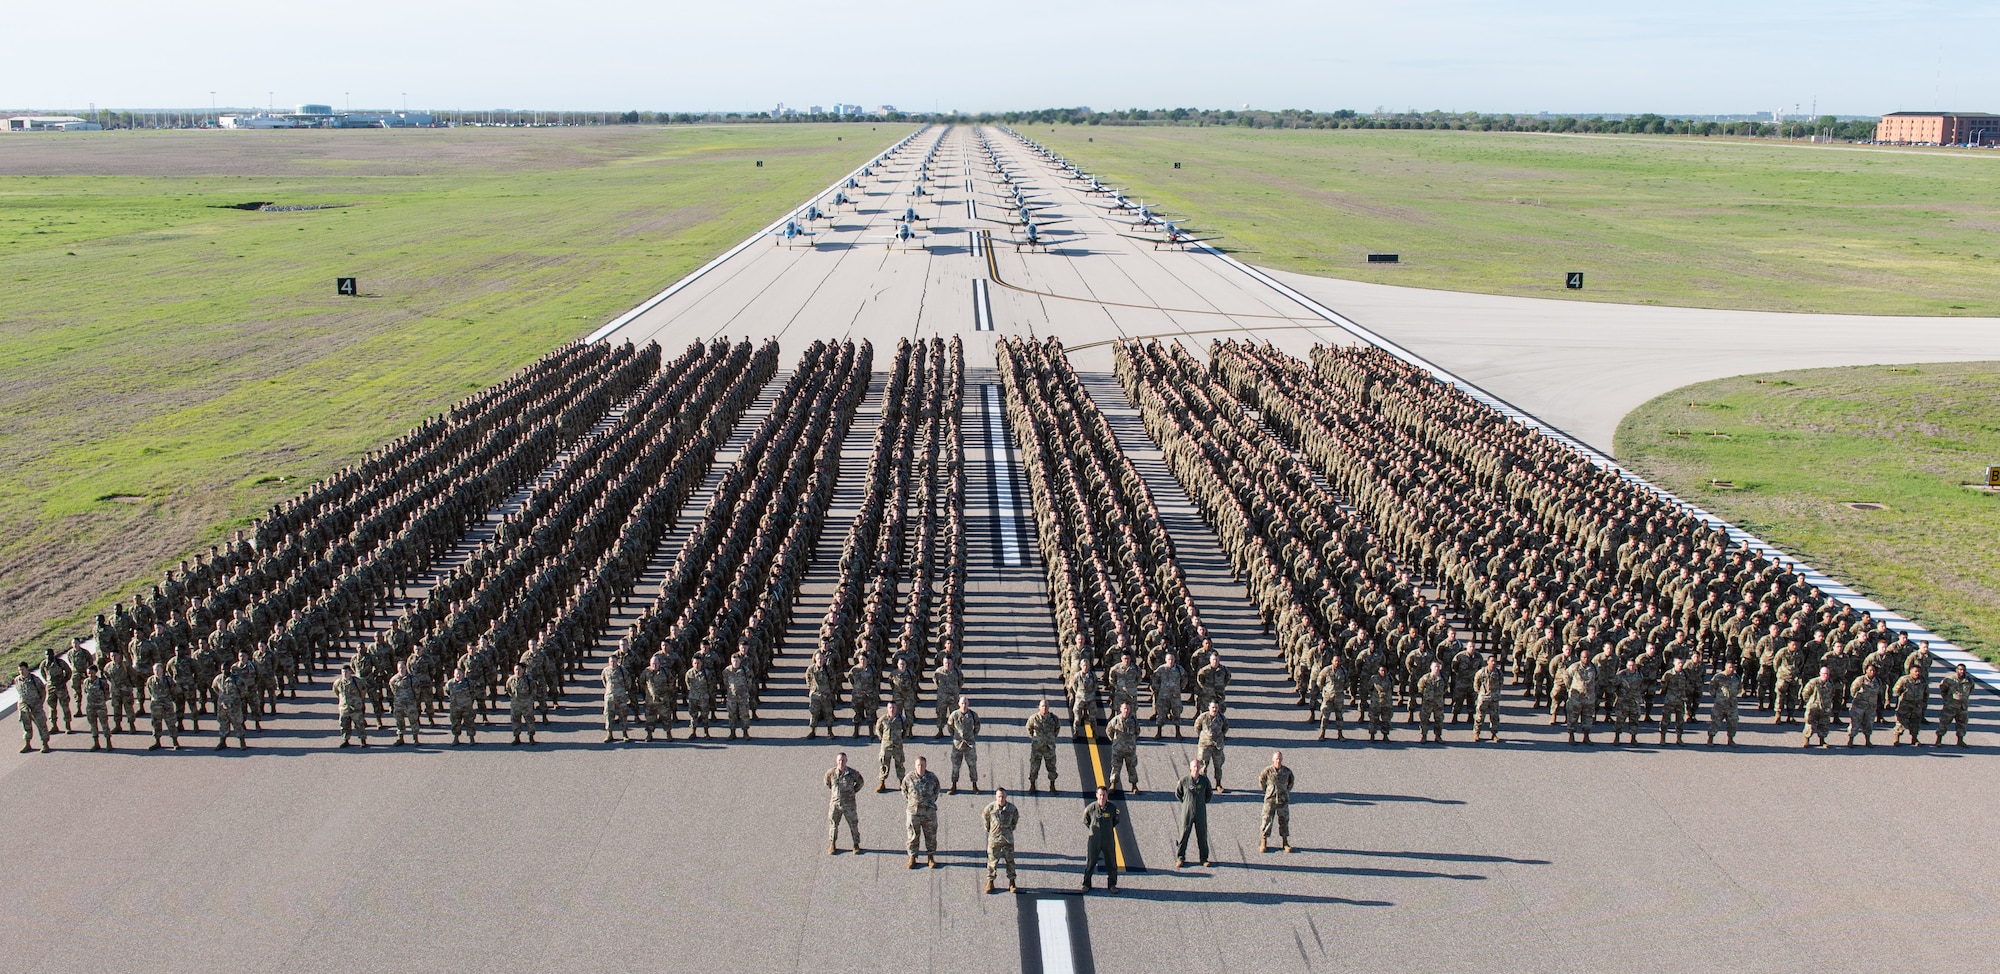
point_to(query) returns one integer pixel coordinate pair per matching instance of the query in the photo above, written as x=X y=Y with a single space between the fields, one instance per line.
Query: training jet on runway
x=792 y=232
x=910 y=215
x=840 y=198
x=905 y=235
x=1032 y=238
x=1172 y=235
x=814 y=213
x=1022 y=217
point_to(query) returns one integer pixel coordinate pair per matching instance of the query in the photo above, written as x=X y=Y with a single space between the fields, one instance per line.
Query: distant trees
x=1647 y=123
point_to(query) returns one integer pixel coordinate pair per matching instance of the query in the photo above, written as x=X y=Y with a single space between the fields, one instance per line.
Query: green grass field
x=169 y=368
x=1650 y=220
x=1793 y=449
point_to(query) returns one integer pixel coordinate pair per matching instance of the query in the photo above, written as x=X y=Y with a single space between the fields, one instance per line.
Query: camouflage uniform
x=700 y=699
x=949 y=683
x=1486 y=704
x=1727 y=687
x=617 y=698
x=1211 y=735
x=964 y=727
x=920 y=792
x=95 y=696
x=162 y=707
x=1818 y=698
x=1276 y=781
x=352 y=697
x=890 y=730
x=1331 y=683
x=521 y=706
x=1123 y=731
x=56 y=676
x=1000 y=822
x=741 y=689
x=1954 y=700
x=820 y=688
x=660 y=698
x=1169 y=683
x=1864 y=697
x=1432 y=690
x=842 y=784
x=1381 y=704
x=461 y=695
x=1042 y=730
x=33 y=707
x=1912 y=696
x=228 y=696
x=404 y=707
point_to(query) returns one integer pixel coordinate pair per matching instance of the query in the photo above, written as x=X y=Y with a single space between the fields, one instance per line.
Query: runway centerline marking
x=1052 y=921
x=982 y=309
x=1000 y=466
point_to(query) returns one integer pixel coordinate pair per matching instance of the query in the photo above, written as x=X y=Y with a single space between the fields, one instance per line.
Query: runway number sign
x=1993 y=476
x=1575 y=281
x=346 y=286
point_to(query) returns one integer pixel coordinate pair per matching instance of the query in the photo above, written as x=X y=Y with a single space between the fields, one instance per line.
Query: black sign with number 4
x=1575 y=282
x=346 y=286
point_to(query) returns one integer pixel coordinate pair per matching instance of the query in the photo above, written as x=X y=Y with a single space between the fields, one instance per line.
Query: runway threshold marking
x=1000 y=467
x=982 y=309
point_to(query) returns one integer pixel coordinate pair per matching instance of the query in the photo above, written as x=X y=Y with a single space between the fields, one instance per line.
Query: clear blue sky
x=1697 y=56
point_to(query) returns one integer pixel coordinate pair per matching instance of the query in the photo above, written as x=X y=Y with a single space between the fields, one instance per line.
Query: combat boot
x=832 y=848
x=881 y=785
x=913 y=860
x=989 y=884
x=1288 y=844
x=1013 y=887
x=1322 y=733
x=933 y=858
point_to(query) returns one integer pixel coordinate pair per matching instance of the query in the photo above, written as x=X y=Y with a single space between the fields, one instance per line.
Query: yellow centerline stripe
x=1097 y=768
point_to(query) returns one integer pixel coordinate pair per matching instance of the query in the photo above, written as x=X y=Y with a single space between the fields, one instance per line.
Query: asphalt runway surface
x=709 y=855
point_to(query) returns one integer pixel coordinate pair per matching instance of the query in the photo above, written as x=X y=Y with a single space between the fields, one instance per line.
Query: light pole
x=213 y=118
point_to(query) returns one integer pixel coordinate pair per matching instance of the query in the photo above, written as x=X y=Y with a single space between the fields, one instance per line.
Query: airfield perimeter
x=1528 y=855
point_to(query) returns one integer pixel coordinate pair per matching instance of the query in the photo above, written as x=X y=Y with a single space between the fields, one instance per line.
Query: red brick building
x=1939 y=128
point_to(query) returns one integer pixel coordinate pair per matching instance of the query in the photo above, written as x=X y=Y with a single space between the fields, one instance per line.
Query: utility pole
x=214 y=119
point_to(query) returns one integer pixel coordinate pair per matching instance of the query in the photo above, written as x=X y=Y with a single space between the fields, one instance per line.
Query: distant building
x=256 y=121
x=49 y=123
x=324 y=117
x=1939 y=128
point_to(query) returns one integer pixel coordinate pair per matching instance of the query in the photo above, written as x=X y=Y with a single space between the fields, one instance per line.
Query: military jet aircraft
x=905 y=234
x=792 y=232
x=1171 y=235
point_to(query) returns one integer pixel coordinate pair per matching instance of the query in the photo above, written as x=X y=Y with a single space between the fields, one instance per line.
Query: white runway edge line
x=1000 y=466
x=982 y=308
x=1052 y=920
x=1945 y=651
x=654 y=301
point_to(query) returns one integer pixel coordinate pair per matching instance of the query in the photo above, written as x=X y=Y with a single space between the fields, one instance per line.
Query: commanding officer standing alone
x=964 y=726
x=1194 y=793
x=1100 y=819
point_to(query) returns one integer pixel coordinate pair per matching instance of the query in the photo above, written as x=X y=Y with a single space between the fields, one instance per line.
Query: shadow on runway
x=1436 y=856
x=1253 y=899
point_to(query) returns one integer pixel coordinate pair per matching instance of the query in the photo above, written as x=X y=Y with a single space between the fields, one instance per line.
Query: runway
x=709 y=856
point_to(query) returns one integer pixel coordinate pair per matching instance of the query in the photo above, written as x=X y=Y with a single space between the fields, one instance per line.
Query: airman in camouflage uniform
x=1913 y=699
x=1486 y=689
x=1331 y=683
x=33 y=708
x=227 y=693
x=964 y=727
x=1727 y=687
x=163 y=707
x=659 y=687
x=1631 y=689
x=118 y=674
x=461 y=696
x=56 y=677
x=890 y=730
x=741 y=690
x=1082 y=700
x=1581 y=701
x=1123 y=679
x=351 y=697
x=184 y=671
x=920 y=793
x=1864 y=697
x=903 y=690
x=1001 y=817
x=1818 y=699
x=1276 y=782
x=700 y=698
x=1169 y=684
x=1212 y=683
x=521 y=703
x=96 y=698
x=864 y=688
x=1954 y=700
x=617 y=699
x=1211 y=731
x=1677 y=685
x=1465 y=667
x=403 y=705
x=1432 y=689
x=821 y=686
x=1123 y=732
x=949 y=682
x=842 y=784
x=1381 y=703
x=1042 y=729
